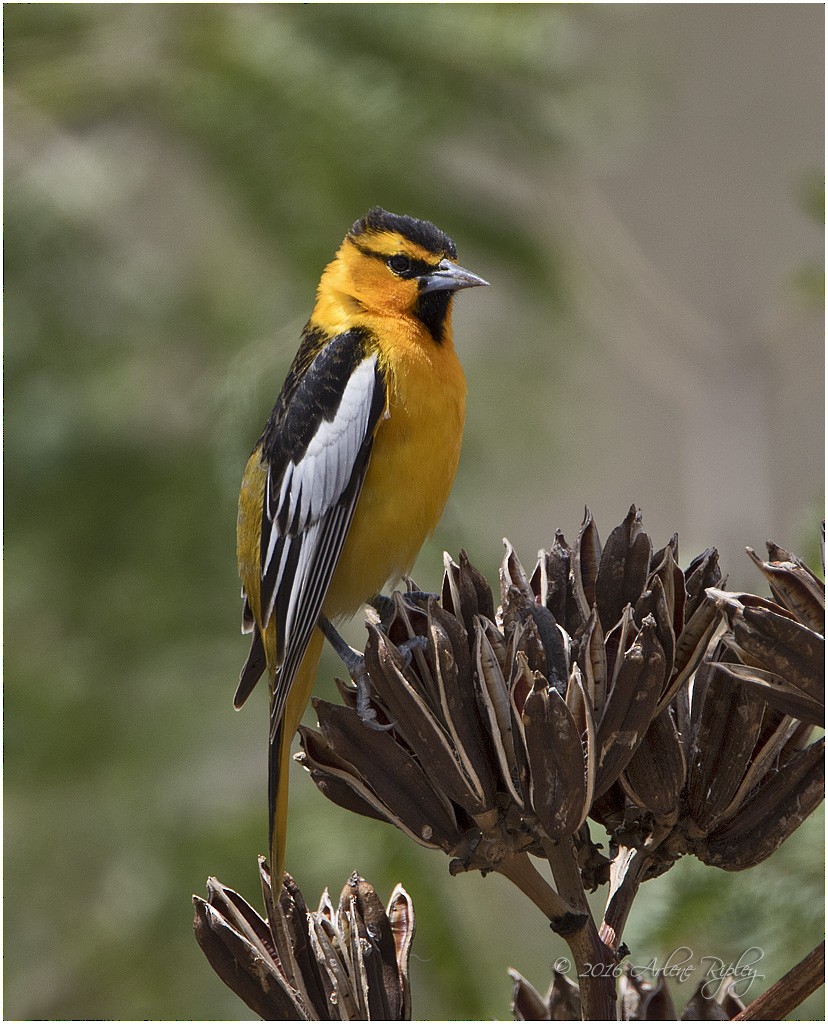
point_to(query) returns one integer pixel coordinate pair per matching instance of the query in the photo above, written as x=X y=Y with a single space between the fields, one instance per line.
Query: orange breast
x=414 y=460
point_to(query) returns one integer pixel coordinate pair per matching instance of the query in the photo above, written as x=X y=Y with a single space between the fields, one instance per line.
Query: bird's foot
x=384 y=605
x=420 y=596
x=355 y=663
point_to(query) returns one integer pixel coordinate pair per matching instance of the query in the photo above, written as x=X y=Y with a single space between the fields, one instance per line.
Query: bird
x=354 y=466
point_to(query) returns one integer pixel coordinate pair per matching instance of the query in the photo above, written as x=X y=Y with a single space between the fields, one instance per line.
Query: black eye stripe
x=413 y=267
x=417 y=268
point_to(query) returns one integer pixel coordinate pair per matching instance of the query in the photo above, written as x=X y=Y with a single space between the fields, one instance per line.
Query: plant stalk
x=595 y=962
x=520 y=870
x=786 y=994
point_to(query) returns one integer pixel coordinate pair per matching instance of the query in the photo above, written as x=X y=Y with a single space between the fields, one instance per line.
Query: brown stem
x=786 y=994
x=564 y=863
x=522 y=872
x=595 y=962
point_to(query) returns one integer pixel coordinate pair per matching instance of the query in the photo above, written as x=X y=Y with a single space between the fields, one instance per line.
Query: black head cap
x=421 y=232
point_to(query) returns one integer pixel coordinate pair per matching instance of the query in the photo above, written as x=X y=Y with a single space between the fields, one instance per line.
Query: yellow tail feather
x=279 y=756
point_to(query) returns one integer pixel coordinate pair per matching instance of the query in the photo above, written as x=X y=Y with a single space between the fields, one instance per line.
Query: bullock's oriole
x=355 y=464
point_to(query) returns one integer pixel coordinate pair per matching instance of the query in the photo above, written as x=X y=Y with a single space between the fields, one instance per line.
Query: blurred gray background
x=642 y=185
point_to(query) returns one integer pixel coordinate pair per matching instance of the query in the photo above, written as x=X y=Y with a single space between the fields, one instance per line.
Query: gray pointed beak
x=448 y=277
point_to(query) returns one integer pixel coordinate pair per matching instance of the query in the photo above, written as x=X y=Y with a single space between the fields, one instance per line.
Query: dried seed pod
x=287 y=919
x=528 y=643
x=401 y=918
x=616 y=643
x=691 y=645
x=461 y=716
x=579 y=704
x=527 y=1002
x=726 y=724
x=459 y=596
x=240 y=951
x=630 y=705
x=420 y=723
x=494 y=697
x=779 y=693
x=398 y=782
x=771 y=813
x=793 y=586
x=644 y=1000
x=497 y=641
x=720 y=1004
x=337 y=779
x=485 y=600
x=702 y=573
x=769 y=637
x=465 y=593
x=460 y=641
x=411 y=624
x=654 y=602
x=512 y=574
x=561 y=1002
x=555 y=645
x=520 y=686
x=587 y=558
x=370 y=933
x=563 y=998
x=556 y=761
x=664 y=565
x=623 y=569
x=593 y=662
x=450 y=591
x=552 y=584
x=655 y=775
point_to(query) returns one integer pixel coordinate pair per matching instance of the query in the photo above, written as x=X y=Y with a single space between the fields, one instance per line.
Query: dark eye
x=401 y=265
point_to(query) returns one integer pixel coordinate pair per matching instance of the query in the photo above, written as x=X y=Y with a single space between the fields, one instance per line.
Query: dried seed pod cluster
x=338 y=963
x=733 y=760
x=509 y=726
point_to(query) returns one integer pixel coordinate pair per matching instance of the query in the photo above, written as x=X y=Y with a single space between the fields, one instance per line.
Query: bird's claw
x=407 y=648
x=367 y=715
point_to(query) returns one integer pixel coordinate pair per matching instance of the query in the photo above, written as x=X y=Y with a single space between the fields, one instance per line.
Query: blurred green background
x=642 y=186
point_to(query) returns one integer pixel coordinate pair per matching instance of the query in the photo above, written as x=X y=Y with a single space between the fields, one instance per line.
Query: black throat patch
x=432 y=310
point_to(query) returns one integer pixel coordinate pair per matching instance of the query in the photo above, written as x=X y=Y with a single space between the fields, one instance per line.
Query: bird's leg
x=355 y=663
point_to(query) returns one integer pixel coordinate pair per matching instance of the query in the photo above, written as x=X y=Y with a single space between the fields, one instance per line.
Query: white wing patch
x=316 y=482
x=310 y=491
